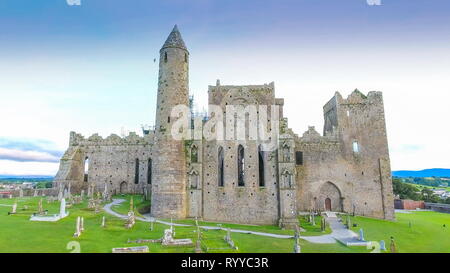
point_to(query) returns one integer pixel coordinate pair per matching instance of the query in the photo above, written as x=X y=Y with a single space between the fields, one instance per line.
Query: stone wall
x=111 y=163
x=358 y=180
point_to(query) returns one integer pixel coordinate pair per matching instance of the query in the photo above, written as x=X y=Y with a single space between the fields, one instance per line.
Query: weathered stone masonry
x=345 y=169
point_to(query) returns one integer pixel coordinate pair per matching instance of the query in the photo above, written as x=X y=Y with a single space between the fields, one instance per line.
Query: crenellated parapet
x=112 y=140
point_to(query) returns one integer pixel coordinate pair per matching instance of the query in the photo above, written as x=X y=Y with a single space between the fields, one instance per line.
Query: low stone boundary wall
x=438 y=207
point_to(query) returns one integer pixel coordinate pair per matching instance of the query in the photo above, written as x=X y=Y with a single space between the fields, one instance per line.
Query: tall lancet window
x=220 y=167
x=136 y=172
x=286 y=153
x=241 y=166
x=149 y=171
x=262 y=182
x=86 y=169
x=194 y=154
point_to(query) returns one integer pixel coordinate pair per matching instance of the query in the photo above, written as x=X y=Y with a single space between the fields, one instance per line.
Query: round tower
x=169 y=162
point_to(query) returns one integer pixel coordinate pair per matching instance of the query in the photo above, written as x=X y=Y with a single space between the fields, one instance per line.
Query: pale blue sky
x=90 y=68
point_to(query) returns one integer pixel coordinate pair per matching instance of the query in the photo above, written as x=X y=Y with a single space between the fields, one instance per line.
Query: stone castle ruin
x=346 y=169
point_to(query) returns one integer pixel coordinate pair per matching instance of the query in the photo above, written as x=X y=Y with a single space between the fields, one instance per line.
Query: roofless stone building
x=347 y=168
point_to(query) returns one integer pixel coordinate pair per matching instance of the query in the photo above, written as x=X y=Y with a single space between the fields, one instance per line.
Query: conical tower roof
x=174 y=39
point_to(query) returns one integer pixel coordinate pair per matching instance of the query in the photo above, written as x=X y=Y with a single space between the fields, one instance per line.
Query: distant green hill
x=423 y=173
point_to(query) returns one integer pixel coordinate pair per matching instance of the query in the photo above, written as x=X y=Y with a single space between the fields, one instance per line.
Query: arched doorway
x=123 y=187
x=328 y=204
x=330 y=197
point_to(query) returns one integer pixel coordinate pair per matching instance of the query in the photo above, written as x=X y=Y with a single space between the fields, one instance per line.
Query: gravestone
x=313 y=220
x=103 y=222
x=393 y=247
x=198 y=244
x=40 y=208
x=14 y=208
x=168 y=240
x=382 y=245
x=134 y=249
x=20 y=193
x=82 y=224
x=131 y=220
x=35 y=193
x=361 y=234
x=77 y=228
x=62 y=208
x=82 y=194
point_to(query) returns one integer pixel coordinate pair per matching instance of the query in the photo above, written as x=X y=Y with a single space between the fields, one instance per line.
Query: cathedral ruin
x=344 y=169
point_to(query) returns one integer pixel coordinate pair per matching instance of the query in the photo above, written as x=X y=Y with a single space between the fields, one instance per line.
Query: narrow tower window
x=355 y=147
x=86 y=169
x=165 y=57
x=220 y=167
x=136 y=172
x=185 y=57
x=149 y=171
x=299 y=158
x=241 y=166
x=261 y=166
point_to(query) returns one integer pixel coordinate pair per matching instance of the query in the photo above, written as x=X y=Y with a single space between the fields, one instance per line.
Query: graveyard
x=101 y=232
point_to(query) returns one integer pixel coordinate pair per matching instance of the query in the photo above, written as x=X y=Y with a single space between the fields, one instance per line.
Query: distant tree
x=404 y=190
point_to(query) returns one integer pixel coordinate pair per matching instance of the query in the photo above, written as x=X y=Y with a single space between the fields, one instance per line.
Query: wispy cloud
x=33 y=150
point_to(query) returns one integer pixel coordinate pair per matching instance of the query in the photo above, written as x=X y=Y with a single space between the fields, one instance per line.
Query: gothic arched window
x=220 y=167
x=194 y=154
x=149 y=171
x=136 y=172
x=194 y=180
x=286 y=154
x=241 y=165
x=261 y=166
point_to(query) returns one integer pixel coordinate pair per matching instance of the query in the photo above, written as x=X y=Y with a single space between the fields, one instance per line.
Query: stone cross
x=361 y=234
x=382 y=245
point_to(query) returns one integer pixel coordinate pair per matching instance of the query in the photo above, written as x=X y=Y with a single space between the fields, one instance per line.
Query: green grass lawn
x=18 y=234
x=138 y=201
x=426 y=234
